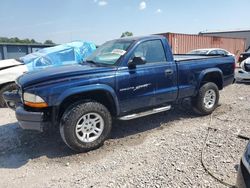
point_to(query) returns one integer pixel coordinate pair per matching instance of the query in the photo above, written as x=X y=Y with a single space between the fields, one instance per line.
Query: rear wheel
x=207 y=99
x=85 y=126
x=7 y=87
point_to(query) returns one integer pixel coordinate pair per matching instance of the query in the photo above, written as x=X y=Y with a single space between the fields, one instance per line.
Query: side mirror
x=136 y=61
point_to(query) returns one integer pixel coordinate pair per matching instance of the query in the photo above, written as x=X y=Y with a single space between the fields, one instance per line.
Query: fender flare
x=88 y=88
x=208 y=71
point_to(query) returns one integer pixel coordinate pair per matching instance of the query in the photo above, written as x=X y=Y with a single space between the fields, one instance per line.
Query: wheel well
x=5 y=84
x=214 y=77
x=100 y=96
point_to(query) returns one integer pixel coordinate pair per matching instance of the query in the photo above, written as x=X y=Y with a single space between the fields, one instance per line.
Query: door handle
x=169 y=72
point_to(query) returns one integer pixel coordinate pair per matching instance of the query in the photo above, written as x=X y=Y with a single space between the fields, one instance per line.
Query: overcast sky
x=102 y=20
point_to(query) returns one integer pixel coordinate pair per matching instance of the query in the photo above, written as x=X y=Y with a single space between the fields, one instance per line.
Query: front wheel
x=85 y=126
x=207 y=99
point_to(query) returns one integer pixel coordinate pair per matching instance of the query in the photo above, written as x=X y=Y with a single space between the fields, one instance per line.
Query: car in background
x=64 y=54
x=244 y=55
x=243 y=177
x=211 y=51
x=242 y=74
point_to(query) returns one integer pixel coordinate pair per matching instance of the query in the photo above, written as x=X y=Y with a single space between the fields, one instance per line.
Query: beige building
x=234 y=33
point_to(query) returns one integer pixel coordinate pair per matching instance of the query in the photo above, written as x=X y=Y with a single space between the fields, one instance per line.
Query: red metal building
x=183 y=43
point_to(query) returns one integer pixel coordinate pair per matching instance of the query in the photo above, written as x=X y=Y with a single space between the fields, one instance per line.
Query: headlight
x=34 y=101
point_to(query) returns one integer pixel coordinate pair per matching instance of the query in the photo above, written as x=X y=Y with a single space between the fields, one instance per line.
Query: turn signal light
x=36 y=105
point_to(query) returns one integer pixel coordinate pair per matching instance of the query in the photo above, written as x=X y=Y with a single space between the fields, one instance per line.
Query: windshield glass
x=199 y=52
x=109 y=52
x=248 y=50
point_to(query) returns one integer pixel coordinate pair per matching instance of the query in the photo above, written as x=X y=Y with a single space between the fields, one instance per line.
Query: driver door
x=137 y=87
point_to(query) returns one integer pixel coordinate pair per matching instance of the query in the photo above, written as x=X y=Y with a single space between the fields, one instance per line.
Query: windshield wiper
x=96 y=63
x=91 y=61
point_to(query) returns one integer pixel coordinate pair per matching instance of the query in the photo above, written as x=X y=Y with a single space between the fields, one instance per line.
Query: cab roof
x=148 y=37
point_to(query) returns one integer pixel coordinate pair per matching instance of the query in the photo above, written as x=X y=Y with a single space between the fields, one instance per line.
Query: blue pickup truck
x=123 y=79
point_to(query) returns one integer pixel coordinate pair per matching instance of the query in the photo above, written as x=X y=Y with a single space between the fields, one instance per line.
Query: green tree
x=127 y=34
x=26 y=41
x=17 y=40
x=32 y=41
x=48 y=42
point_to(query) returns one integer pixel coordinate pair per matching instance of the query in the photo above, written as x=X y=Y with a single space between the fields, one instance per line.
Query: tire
x=203 y=105
x=7 y=87
x=74 y=126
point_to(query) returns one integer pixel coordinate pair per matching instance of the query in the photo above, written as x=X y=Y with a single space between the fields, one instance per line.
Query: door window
x=152 y=51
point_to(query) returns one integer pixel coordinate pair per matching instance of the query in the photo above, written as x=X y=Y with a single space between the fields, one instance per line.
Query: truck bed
x=188 y=57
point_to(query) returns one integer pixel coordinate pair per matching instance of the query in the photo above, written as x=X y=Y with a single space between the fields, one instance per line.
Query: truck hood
x=8 y=63
x=54 y=74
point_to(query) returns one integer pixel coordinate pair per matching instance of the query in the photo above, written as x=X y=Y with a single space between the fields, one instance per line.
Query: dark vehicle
x=244 y=55
x=123 y=79
x=243 y=178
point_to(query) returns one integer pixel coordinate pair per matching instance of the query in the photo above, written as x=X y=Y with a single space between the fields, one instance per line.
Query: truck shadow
x=18 y=147
x=123 y=129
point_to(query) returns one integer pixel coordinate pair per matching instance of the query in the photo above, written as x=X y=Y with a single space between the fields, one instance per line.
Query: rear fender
x=206 y=72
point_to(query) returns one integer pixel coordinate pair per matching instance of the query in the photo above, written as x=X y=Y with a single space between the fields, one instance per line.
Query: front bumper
x=31 y=120
x=242 y=75
x=27 y=119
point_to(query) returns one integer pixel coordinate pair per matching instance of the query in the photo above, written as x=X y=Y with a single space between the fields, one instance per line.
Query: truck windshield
x=109 y=52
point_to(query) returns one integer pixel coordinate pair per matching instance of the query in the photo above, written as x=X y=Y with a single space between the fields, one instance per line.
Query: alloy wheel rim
x=89 y=127
x=209 y=99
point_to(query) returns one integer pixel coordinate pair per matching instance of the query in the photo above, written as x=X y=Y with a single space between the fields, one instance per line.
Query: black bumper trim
x=23 y=115
x=30 y=120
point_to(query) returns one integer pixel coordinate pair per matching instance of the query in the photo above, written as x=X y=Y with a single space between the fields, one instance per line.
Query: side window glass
x=152 y=51
x=221 y=52
x=214 y=52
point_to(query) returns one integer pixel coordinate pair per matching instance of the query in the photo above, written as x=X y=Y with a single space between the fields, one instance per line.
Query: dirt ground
x=162 y=150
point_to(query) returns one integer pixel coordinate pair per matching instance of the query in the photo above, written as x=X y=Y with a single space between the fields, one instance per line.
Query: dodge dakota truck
x=123 y=79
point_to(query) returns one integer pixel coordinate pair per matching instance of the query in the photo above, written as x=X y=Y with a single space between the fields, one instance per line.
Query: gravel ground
x=162 y=150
